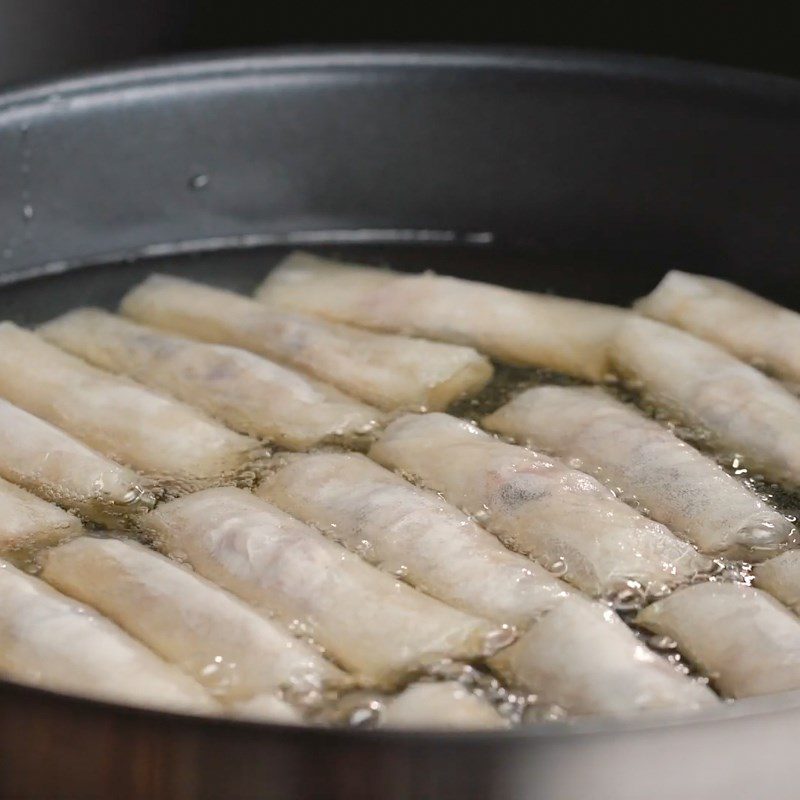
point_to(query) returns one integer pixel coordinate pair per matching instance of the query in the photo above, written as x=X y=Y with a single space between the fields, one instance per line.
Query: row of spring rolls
x=371 y=623
x=376 y=626
x=740 y=410
x=58 y=643
x=222 y=643
x=84 y=570
x=217 y=654
x=230 y=384
x=74 y=333
x=701 y=383
x=741 y=638
x=74 y=433
x=242 y=653
x=439 y=549
x=117 y=385
x=380 y=628
x=571 y=648
x=565 y=655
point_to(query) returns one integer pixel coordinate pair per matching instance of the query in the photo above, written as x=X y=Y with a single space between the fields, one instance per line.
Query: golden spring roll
x=387 y=371
x=679 y=486
x=209 y=634
x=369 y=622
x=582 y=657
x=246 y=392
x=563 y=518
x=126 y=422
x=780 y=576
x=754 y=329
x=52 y=464
x=28 y=523
x=48 y=640
x=413 y=533
x=740 y=410
x=521 y=328
x=447 y=705
x=745 y=641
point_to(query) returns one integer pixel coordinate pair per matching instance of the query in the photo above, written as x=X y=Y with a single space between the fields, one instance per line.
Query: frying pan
x=587 y=175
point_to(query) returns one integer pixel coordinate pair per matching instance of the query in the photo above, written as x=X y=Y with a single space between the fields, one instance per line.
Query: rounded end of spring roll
x=762 y=536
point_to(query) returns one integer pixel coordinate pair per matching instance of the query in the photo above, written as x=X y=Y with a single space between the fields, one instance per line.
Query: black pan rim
x=236 y=68
x=618 y=66
x=181 y=73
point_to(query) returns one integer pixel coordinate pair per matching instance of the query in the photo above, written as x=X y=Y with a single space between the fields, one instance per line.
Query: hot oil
x=628 y=601
x=508 y=382
x=362 y=706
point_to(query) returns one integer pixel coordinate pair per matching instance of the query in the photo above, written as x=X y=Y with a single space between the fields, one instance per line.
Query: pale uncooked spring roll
x=387 y=371
x=247 y=392
x=27 y=522
x=52 y=464
x=266 y=708
x=780 y=576
x=582 y=657
x=518 y=327
x=745 y=641
x=371 y=623
x=211 y=635
x=740 y=410
x=562 y=517
x=679 y=486
x=752 y=328
x=122 y=419
x=48 y=640
x=413 y=533
x=447 y=705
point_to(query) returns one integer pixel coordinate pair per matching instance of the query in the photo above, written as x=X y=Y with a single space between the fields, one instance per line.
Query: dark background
x=43 y=38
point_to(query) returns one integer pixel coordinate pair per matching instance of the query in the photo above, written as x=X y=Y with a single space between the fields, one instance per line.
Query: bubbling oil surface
x=363 y=707
x=359 y=706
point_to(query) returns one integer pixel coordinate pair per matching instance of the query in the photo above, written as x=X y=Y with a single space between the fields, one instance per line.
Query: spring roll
x=53 y=465
x=737 y=408
x=521 y=328
x=745 y=641
x=246 y=392
x=126 y=422
x=563 y=518
x=680 y=487
x=447 y=705
x=28 y=523
x=582 y=657
x=414 y=533
x=387 y=371
x=780 y=576
x=754 y=329
x=370 y=623
x=209 y=634
x=51 y=641
x=266 y=708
